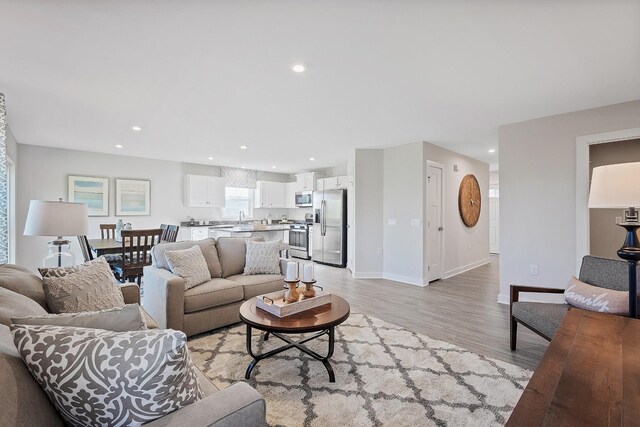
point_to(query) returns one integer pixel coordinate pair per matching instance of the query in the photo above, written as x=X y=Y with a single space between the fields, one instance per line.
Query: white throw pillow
x=190 y=265
x=96 y=377
x=594 y=298
x=262 y=257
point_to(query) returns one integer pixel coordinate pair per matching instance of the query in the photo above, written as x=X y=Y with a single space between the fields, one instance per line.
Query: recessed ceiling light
x=298 y=68
x=243 y=147
x=119 y=146
x=492 y=150
x=210 y=158
x=136 y=128
x=274 y=166
x=243 y=167
x=312 y=158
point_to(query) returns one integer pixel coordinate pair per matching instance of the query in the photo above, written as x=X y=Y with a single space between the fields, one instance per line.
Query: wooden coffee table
x=321 y=319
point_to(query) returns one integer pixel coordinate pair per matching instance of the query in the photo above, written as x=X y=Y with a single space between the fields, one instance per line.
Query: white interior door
x=435 y=228
x=494 y=219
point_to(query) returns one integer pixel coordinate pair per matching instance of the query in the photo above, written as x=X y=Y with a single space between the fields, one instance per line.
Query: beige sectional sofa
x=213 y=304
x=24 y=403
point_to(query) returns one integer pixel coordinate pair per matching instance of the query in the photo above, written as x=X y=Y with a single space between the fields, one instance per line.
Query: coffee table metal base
x=290 y=344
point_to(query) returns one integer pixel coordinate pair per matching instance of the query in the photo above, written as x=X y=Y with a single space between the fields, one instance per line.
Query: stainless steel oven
x=299 y=241
x=304 y=199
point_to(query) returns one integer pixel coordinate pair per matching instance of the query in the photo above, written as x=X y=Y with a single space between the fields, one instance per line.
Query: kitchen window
x=237 y=199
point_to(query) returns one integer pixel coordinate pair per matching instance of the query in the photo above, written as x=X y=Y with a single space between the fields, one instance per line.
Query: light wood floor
x=461 y=310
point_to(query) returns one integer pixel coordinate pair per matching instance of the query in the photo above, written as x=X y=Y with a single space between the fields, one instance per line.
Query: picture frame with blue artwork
x=133 y=197
x=92 y=191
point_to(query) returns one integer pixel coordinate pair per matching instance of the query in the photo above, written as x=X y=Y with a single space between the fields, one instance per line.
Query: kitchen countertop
x=218 y=225
x=237 y=229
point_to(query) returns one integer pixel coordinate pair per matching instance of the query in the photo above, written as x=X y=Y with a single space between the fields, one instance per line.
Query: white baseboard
x=416 y=281
x=366 y=275
x=464 y=268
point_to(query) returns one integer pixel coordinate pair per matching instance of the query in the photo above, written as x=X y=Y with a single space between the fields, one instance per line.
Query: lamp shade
x=56 y=219
x=615 y=186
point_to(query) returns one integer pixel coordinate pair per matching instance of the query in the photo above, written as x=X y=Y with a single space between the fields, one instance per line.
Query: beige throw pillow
x=190 y=265
x=262 y=257
x=97 y=377
x=594 y=298
x=86 y=287
x=127 y=318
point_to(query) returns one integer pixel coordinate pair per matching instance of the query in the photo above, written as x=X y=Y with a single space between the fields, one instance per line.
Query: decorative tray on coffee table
x=275 y=304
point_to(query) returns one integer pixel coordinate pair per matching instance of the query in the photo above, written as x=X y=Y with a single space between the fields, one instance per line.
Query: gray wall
x=538 y=192
x=42 y=174
x=605 y=237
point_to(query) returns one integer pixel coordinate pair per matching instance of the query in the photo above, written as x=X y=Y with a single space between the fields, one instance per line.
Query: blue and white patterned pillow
x=97 y=377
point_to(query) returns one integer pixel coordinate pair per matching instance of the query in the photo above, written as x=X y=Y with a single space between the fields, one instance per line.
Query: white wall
x=367 y=215
x=403 y=201
x=464 y=248
x=538 y=192
x=42 y=174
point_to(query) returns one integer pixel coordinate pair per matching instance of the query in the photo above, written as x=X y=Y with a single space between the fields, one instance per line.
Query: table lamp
x=618 y=186
x=57 y=219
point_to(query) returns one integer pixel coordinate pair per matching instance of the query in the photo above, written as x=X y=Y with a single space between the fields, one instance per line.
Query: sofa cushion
x=22 y=400
x=207 y=246
x=190 y=265
x=149 y=374
x=543 y=317
x=262 y=257
x=232 y=252
x=19 y=279
x=595 y=298
x=213 y=293
x=87 y=287
x=127 y=318
x=12 y=304
x=258 y=284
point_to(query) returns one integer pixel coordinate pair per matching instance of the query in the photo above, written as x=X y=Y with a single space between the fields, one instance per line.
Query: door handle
x=440 y=228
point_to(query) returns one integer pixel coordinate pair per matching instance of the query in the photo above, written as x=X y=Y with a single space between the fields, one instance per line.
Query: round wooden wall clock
x=469 y=200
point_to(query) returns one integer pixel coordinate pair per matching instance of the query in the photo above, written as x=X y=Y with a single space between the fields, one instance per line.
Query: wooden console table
x=589 y=375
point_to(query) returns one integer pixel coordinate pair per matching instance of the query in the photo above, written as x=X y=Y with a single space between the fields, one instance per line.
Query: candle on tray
x=292 y=271
x=307 y=273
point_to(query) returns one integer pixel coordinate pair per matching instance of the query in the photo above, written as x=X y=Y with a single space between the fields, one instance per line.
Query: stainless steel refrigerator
x=330 y=227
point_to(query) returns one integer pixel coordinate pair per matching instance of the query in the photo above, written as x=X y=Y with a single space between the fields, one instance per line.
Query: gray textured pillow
x=190 y=265
x=87 y=287
x=127 y=318
x=594 y=298
x=262 y=257
x=96 y=377
x=13 y=304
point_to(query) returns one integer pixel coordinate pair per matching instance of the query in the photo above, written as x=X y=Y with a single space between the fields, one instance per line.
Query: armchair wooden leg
x=514 y=333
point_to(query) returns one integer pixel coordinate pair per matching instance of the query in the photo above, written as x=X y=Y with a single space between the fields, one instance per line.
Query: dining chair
x=136 y=253
x=84 y=247
x=108 y=231
x=169 y=232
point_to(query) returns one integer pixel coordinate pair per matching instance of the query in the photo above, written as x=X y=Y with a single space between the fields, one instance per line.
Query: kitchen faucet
x=240 y=216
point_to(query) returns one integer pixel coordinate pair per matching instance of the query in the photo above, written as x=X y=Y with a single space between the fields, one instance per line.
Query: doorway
x=494 y=218
x=435 y=229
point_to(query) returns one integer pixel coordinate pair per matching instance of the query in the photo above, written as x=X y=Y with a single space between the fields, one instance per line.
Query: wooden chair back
x=169 y=232
x=136 y=252
x=84 y=247
x=108 y=231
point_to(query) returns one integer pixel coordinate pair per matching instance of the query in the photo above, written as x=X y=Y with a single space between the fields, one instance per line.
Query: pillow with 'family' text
x=594 y=298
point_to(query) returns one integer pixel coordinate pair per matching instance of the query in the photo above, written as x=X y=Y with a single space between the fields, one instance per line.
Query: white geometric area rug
x=385 y=376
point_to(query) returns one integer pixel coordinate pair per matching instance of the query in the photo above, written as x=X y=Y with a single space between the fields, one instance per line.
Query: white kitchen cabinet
x=203 y=191
x=198 y=233
x=290 y=195
x=333 y=183
x=270 y=194
x=343 y=182
x=306 y=181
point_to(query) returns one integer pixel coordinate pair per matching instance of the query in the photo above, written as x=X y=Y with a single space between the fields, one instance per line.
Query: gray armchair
x=544 y=318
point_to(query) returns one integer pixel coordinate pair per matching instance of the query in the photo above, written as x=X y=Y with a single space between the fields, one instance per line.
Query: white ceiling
x=204 y=77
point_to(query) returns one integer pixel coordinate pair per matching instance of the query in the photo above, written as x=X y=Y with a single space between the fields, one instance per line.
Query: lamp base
x=630 y=251
x=59 y=254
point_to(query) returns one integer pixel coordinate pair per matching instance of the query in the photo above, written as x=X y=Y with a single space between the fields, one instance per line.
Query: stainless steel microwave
x=304 y=199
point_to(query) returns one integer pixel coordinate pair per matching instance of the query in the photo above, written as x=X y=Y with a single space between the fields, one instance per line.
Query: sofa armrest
x=237 y=405
x=130 y=293
x=163 y=297
x=516 y=289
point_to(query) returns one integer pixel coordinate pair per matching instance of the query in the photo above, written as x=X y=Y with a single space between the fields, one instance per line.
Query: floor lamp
x=57 y=219
x=618 y=186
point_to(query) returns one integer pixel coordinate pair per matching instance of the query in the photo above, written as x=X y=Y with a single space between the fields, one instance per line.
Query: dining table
x=105 y=246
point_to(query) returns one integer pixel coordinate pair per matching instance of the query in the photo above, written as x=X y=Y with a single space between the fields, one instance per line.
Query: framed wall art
x=92 y=191
x=133 y=197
